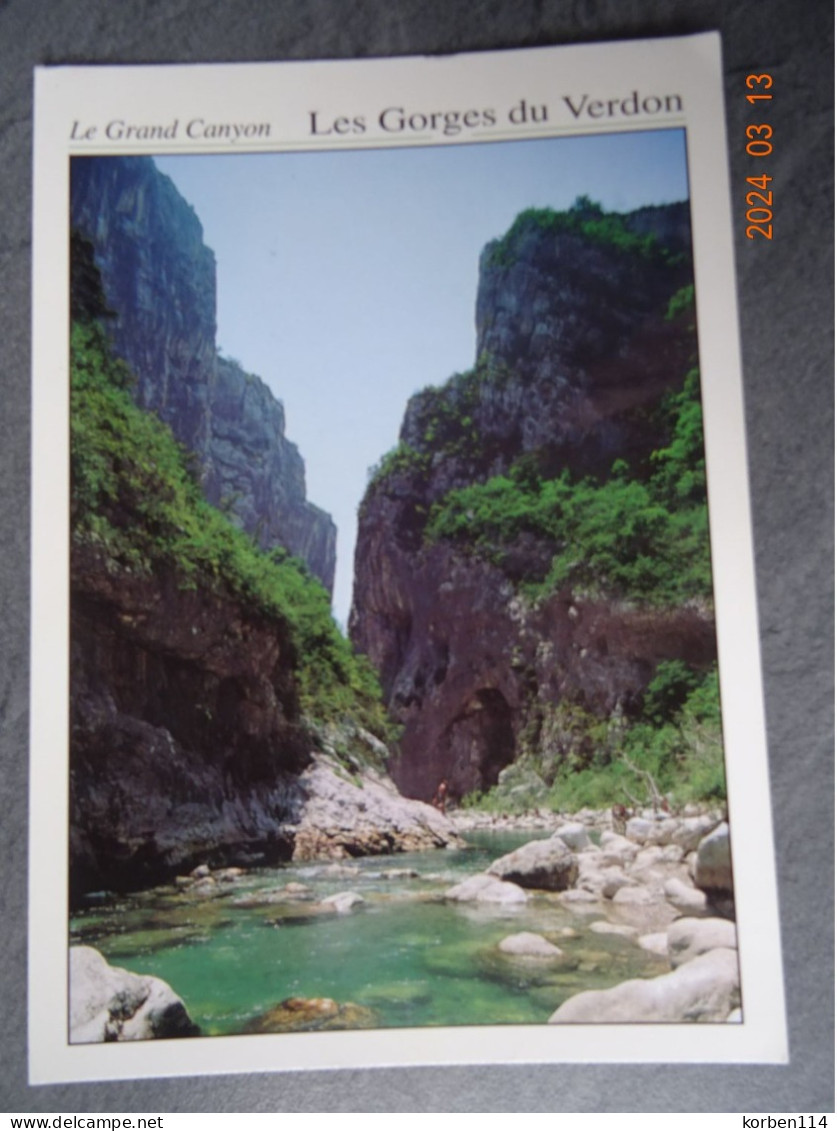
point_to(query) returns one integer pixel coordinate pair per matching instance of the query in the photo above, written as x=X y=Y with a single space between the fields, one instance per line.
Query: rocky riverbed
x=575 y=922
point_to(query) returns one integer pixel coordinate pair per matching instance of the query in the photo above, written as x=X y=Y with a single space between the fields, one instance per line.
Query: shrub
x=584 y=218
x=133 y=498
x=400 y=459
x=675 y=737
x=641 y=538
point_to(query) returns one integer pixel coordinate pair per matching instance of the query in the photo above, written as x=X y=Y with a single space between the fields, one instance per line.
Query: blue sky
x=347 y=280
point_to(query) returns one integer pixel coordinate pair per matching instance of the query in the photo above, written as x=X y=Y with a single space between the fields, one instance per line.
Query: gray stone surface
x=689 y=938
x=685 y=899
x=529 y=945
x=713 y=868
x=483 y=888
x=786 y=307
x=111 y=1004
x=705 y=989
x=545 y=864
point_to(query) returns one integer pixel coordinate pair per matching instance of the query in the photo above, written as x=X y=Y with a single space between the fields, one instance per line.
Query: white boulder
x=713 y=867
x=344 y=902
x=684 y=898
x=574 y=835
x=634 y=894
x=689 y=938
x=613 y=880
x=578 y=895
x=547 y=865
x=692 y=830
x=617 y=849
x=638 y=829
x=656 y=943
x=705 y=989
x=111 y=1004
x=483 y=888
x=605 y=927
x=527 y=944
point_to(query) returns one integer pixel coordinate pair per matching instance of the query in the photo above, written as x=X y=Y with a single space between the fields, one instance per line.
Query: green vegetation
x=641 y=538
x=584 y=218
x=638 y=533
x=136 y=501
x=682 y=752
x=402 y=459
x=585 y=761
x=682 y=302
x=444 y=416
x=444 y=419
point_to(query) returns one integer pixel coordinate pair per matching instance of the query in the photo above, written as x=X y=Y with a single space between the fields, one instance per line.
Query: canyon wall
x=578 y=349
x=159 y=282
x=217 y=715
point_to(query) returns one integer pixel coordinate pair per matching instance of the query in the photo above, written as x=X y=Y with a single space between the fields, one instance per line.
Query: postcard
x=395 y=673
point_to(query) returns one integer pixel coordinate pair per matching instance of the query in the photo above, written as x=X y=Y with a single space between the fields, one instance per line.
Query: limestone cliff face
x=258 y=477
x=188 y=743
x=574 y=353
x=159 y=280
x=186 y=729
x=189 y=747
x=574 y=348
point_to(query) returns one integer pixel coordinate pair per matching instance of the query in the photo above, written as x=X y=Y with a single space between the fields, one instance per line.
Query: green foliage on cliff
x=444 y=421
x=681 y=750
x=585 y=761
x=642 y=538
x=681 y=302
x=679 y=477
x=402 y=459
x=584 y=218
x=135 y=498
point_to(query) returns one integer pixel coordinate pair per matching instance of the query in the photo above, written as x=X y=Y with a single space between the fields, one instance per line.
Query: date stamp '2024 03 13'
x=759 y=144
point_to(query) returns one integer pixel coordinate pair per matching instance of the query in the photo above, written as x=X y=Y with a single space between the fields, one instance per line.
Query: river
x=407 y=955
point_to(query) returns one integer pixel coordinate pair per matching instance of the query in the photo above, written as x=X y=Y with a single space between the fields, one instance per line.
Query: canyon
x=159 y=280
x=577 y=349
x=532 y=607
x=202 y=728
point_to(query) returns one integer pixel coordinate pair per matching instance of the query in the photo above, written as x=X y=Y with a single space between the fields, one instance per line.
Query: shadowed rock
x=574 y=358
x=713 y=867
x=111 y=1004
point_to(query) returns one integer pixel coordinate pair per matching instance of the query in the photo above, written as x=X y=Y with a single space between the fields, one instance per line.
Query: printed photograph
x=394 y=683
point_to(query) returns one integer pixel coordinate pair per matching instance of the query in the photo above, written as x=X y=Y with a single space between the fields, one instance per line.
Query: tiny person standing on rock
x=440 y=797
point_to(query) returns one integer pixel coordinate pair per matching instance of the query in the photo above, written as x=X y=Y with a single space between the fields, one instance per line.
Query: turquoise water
x=404 y=954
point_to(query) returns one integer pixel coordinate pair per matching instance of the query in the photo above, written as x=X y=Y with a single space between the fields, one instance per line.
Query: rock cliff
x=189 y=745
x=258 y=477
x=217 y=714
x=186 y=728
x=578 y=350
x=159 y=281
